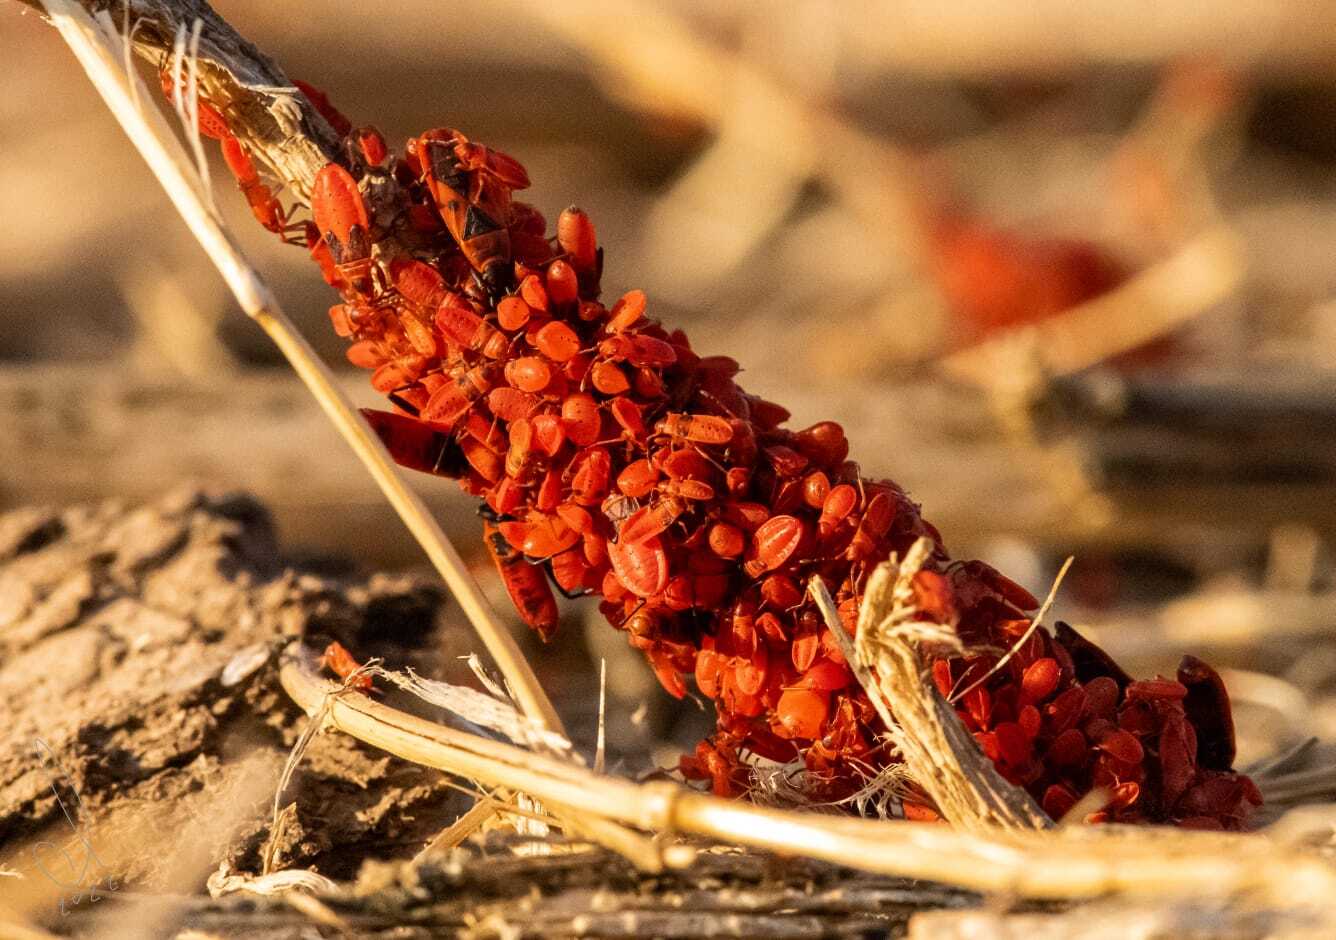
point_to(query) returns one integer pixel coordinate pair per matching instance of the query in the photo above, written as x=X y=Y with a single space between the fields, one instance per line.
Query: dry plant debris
x=1284 y=869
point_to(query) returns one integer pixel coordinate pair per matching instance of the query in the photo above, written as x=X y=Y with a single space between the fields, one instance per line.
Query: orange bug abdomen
x=641 y=568
x=575 y=234
x=773 y=544
x=339 y=661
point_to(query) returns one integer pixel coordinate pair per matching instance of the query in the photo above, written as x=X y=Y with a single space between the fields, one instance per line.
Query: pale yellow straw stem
x=1073 y=862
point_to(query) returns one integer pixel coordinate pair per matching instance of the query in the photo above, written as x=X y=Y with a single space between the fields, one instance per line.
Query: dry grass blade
x=280 y=815
x=477 y=708
x=296 y=887
x=493 y=712
x=463 y=827
x=95 y=46
x=1072 y=862
x=601 y=746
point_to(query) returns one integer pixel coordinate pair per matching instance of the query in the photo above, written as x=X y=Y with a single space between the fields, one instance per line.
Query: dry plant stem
x=1120 y=920
x=149 y=132
x=279 y=814
x=224 y=882
x=464 y=826
x=1073 y=862
x=315 y=910
x=263 y=109
x=486 y=712
x=939 y=753
x=325 y=697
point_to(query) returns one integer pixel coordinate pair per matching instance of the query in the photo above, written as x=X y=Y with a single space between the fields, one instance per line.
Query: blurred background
x=1068 y=276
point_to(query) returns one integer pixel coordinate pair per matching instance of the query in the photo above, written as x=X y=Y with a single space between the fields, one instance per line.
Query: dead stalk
x=1073 y=862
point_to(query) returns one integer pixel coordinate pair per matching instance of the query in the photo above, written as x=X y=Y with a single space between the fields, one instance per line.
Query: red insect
x=637 y=350
x=522 y=457
x=641 y=567
x=655 y=518
x=637 y=479
x=557 y=341
x=581 y=419
x=471 y=186
x=563 y=284
x=774 y=543
x=456 y=396
x=420 y=284
x=268 y=211
x=341 y=217
x=541 y=536
x=627 y=311
x=339 y=661
x=590 y=472
x=575 y=234
x=726 y=541
x=528 y=373
x=525 y=583
x=211 y=122
x=702 y=429
x=459 y=324
x=836 y=507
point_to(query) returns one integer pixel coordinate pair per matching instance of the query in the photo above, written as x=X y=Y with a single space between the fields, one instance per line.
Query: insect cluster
x=614 y=460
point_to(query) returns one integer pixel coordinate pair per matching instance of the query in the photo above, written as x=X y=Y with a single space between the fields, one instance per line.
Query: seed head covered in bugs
x=617 y=461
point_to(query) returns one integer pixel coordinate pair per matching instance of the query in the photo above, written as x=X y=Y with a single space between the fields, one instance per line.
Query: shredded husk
x=939 y=754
